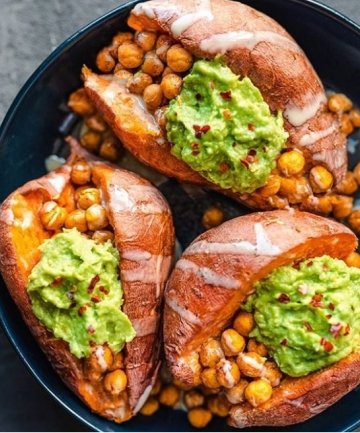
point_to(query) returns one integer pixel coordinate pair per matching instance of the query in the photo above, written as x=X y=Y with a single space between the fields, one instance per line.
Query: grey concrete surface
x=29 y=31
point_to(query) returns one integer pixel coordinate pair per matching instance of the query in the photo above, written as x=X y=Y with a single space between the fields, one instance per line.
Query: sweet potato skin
x=214 y=276
x=149 y=217
x=275 y=64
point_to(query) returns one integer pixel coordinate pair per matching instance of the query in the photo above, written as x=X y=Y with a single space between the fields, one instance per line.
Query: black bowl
x=34 y=128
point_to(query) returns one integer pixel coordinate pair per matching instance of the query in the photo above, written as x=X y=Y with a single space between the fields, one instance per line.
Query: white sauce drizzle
x=262 y=245
x=145 y=326
x=295 y=402
x=252 y=362
x=297 y=116
x=203 y=11
x=226 y=368
x=57 y=181
x=207 y=275
x=143 y=398
x=182 y=312
x=99 y=352
x=314 y=136
x=335 y=158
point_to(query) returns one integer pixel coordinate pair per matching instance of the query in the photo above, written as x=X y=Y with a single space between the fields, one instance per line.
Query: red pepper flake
x=252 y=152
x=81 y=310
x=205 y=129
x=195 y=145
x=234 y=144
x=331 y=306
x=284 y=342
x=104 y=290
x=197 y=129
x=226 y=95
x=250 y=158
x=284 y=298
x=264 y=149
x=93 y=283
x=308 y=326
x=96 y=299
x=198 y=97
x=92 y=343
x=56 y=282
x=91 y=329
x=327 y=345
x=223 y=167
x=245 y=163
x=309 y=264
x=251 y=127
x=316 y=301
x=336 y=329
x=347 y=329
x=328 y=316
x=195 y=152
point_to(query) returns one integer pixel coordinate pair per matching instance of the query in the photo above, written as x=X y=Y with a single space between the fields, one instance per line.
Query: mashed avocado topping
x=222 y=128
x=76 y=293
x=308 y=316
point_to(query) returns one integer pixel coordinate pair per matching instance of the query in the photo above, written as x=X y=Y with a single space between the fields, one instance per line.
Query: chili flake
x=316 y=301
x=195 y=152
x=56 y=282
x=327 y=345
x=96 y=299
x=284 y=298
x=223 y=167
x=195 y=145
x=245 y=163
x=308 y=326
x=284 y=342
x=104 y=290
x=336 y=329
x=93 y=283
x=347 y=329
x=81 y=310
x=226 y=95
x=198 y=97
x=91 y=329
x=331 y=306
x=251 y=126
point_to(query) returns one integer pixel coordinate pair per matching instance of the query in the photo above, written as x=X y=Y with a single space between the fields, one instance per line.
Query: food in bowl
x=85 y=253
x=260 y=312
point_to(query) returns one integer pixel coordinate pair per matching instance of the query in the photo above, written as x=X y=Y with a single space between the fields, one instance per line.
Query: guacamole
x=308 y=317
x=222 y=128
x=76 y=293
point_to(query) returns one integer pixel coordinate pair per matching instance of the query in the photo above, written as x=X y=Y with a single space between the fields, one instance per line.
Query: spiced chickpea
x=80 y=103
x=130 y=55
x=339 y=102
x=342 y=206
x=258 y=392
x=244 y=323
x=110 y=148
x=96 y=217
x=169 y=395
x=236 y=394
x=105 y=62
x=80 y=172
x=210 y=353
x=255 y=346
x=227 y=373
x=232 y=342
x=178 y=58
x=52 y=216
x=199 y=417
x=349 y=185
x=102 y=236
x=182 y=385
x=209 y=378
x=291 y=163
x=355 y=117
x=212 y=217
x=356 y=173
x=152 y=65
x=115 y=382
x=145 y=39
x=99 y=361
x=150 y=407
x=321 y=180
x=167 y=71
x=163 y=43
x=88 y=197
x=153 y=96
x=271 y=187
x=193 y=398
x=296 y=190
x=67 y=198
x=346 y=125
x=171 y=85
x=160 y=117
x=218 y=405
x=324 y=204
x=121 y=37
x=96 y=123
x=272 y=373
x=91 y=141
x=138 y=82
x=76 y=219
x=354 y=221
x=118 y=362
x=251 y=364
x=157 y=387
x=353 y=259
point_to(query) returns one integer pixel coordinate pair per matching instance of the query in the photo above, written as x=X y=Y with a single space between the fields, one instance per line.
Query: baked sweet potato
x=139 y=223
x=252 y=45
x=214 y=278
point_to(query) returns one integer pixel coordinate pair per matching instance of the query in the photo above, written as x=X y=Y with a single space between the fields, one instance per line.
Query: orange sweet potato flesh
x=214 y=276
x=144 y=237
x=274 y=63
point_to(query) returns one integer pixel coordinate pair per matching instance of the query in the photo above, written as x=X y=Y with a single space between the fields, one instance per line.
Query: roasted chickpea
x=163 y=43
x=199 y=417
x=324 y=204
x=244 y=323
x=178 y=58
x=157 y=387
x=110 y=149
x=227 y=373
x=255 y=346
x=123 y=75
x=145 y=39
x=321 y=180
x=118 y=39
x=169 y=395
x=232 y=342
x=118 y=362
x=119 y=67
x=346 y=125
x=130 y=55
x=355 y=117
x=353 y=259
x=209 y=378
x=96 y=217
x=96 y=123
x=342 y=206
x=80 y=103
x=272 y=374
x=291 y=163
x=271 y=187
x=251 y=364
x=354 y=221
x=296 y=190
x=153 y=96
x=138 y=83
x=105 y=62
x=210 y=353
x=349 y=185
x=356 y=173
x=160 y=117
x=52 y=216
x=98 y=362
x=102 y=236
x=167 y=71
x=80 y=172
x=91 y=141
x=218 y=405
x=171 y=85
x=150 y=407
x=258 y=392
x=193 y=398
x=115 y=382
x=88 y=197
x=236 y=394
x=339 y=103
x=67 y=198
x=76 y=219
x=212 y=217
x=181 y=385
x=152 y=65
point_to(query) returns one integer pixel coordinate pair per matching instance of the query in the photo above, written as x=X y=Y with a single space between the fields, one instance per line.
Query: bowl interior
x=33 y=129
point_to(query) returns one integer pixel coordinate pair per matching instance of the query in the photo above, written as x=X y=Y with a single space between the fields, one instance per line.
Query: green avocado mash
x=76 y=293
x=308 y=317
x=222 y=128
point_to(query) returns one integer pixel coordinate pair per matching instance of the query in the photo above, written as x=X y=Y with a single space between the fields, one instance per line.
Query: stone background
x=29 y=31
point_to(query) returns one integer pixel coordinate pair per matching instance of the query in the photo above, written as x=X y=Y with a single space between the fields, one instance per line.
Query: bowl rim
x=26 y=88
